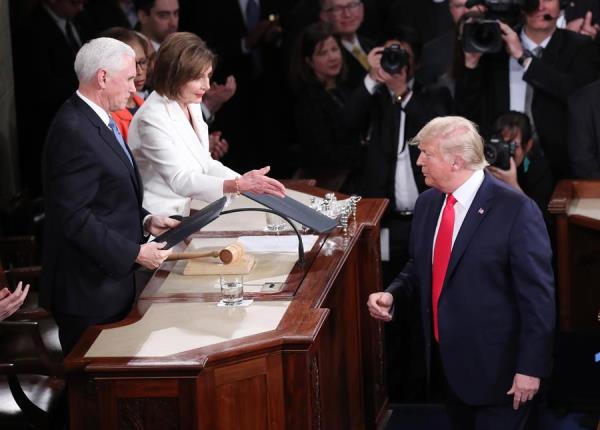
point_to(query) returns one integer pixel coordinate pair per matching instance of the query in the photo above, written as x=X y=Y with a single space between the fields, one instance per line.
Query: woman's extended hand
x=258 y=182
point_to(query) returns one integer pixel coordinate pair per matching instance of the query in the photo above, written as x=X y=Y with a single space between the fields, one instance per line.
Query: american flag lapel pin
x=480 y=211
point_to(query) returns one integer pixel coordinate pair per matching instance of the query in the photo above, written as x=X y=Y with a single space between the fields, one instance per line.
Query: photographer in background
x=540 y=68
x=393 y=108
x=518 y=160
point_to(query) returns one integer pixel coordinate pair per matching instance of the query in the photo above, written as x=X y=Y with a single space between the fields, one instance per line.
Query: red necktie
x=441 y=257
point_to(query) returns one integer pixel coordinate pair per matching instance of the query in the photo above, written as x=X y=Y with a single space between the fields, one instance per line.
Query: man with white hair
x=481 y=267
x=93 y=196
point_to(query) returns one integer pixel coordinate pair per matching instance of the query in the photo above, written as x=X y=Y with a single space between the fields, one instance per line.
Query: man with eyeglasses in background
x=345 y=17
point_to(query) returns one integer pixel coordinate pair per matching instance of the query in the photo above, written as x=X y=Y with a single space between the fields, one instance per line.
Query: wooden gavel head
x=231 y=253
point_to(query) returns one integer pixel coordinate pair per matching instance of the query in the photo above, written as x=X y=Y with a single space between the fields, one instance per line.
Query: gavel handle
x=188 y=255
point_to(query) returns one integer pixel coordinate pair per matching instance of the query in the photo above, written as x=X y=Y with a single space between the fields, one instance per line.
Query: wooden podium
x=322 y=367
x=576 y=207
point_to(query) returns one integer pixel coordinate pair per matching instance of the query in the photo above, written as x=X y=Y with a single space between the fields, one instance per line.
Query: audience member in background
x=246 y=35
x=123 y=117
x=46 y=43
x=169 y=137
x=583 y=137
x=529 y=171
x=433 y=22
x=104 y=14
x=541 y=67
x=395 y=108
x=10 y=302
x=581 y=16
x=157 y=19
x=346 y=17
x=329 y=150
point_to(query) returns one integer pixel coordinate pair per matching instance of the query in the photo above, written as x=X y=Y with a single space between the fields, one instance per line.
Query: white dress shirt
x=405 y=187
x=517 y=85
x=464 y=196
x=99 y=111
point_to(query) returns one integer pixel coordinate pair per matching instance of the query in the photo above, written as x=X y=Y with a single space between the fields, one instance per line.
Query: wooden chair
x=31 y=382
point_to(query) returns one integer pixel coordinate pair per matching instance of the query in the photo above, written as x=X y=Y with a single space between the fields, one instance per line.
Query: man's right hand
x=152 y=255
x=380 y=305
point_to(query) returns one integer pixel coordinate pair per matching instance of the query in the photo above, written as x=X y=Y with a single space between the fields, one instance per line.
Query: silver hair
x=101 y=53
x=457 y=136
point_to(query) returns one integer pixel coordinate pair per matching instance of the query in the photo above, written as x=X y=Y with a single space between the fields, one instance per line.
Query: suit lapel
x=480 y=207
x=110 y=140
x=185 y=129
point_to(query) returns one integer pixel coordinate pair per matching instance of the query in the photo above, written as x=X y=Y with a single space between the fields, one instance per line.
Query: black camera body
x=498 y=152
x=394 y=58
x=481 y=34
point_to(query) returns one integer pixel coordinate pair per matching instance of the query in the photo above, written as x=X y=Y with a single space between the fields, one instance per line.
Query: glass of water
x=274 y=222
x=232 y=289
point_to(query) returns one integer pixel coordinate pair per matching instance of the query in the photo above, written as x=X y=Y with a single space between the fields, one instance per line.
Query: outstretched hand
x=257 y=181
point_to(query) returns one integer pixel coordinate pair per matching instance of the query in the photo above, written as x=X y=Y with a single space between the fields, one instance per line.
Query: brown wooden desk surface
x=322 y=368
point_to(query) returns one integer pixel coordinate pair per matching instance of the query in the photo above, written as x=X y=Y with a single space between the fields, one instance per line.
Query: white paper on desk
x=285 y=244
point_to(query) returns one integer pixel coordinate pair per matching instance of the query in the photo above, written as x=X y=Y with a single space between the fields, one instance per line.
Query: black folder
x=192 y=224
x=295 y=210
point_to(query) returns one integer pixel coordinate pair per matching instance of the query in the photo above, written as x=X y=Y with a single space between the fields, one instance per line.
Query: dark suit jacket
x=383 y=118
x=568 y=62
x=221 y=24
x=496 y=312
x=44 y=79
x=584 y=132
x=93 y=226
x=355 y=72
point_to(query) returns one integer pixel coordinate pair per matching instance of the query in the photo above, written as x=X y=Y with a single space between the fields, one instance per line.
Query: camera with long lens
x=481 y=33
x=498 y=152
x=393 y=59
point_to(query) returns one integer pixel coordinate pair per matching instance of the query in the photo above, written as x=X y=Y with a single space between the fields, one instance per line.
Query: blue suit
x=93 y=227
x=496 y=312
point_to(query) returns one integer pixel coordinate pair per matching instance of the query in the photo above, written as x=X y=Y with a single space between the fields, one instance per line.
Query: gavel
x=230 y=254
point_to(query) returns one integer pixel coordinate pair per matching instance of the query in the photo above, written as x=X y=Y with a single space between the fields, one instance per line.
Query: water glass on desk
x=274 y=222
x=232 y=289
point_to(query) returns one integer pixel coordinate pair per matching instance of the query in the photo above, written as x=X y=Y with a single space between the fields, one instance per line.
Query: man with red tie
x=481 y=266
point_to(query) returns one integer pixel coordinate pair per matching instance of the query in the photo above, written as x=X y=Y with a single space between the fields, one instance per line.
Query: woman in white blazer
x=169 y=138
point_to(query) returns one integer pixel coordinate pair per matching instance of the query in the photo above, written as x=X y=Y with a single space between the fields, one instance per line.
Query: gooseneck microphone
x=548 y=17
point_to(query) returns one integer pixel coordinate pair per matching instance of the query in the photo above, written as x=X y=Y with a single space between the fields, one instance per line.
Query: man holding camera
x=541 y=66
x=393 y=107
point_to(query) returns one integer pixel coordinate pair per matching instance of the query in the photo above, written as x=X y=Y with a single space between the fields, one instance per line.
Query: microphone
x=548 y=17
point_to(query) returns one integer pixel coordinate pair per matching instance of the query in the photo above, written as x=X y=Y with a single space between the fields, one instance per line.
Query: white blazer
x=173 y=157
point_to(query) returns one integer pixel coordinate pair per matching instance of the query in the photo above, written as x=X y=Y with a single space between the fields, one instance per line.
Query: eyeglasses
x=142 y=64
x=350 y=7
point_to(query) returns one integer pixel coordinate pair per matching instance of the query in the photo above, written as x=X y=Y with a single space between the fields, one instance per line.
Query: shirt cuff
x=146 y=218
x=370 y=84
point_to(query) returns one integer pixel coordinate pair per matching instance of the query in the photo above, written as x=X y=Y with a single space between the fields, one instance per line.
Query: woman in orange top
x=123 y=117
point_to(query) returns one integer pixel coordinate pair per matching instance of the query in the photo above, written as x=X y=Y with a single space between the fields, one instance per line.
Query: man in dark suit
x=246 y=36
x=345 y=17
x=584 y=132
x=396 y=108
x=44 y=45
x=93 y=196
x=543 y=66
x=481 y=267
